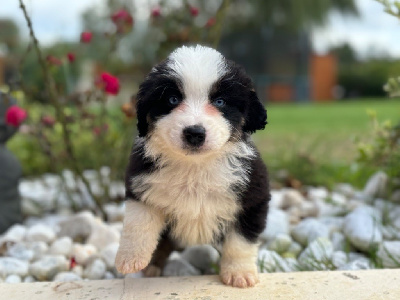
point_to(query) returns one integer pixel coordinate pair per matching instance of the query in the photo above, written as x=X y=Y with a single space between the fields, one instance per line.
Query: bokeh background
x=318 y=65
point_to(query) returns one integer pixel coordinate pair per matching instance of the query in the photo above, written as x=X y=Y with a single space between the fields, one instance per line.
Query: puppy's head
x=196 y=101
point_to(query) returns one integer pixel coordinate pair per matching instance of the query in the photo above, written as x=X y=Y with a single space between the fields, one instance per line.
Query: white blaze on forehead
x=198 y=68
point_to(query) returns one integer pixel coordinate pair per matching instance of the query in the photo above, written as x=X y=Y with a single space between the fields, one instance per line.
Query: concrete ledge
x=354 y=285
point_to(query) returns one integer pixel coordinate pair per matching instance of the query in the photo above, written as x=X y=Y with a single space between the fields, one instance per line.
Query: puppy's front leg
x=238 y=262
x=142 y=227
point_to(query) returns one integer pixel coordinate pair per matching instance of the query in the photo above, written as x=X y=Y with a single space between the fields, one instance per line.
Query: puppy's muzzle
x=194 y=136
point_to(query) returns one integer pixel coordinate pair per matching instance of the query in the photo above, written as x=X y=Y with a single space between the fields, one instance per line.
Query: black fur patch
x=138 y=165
x=153 y=96
x=254 y=200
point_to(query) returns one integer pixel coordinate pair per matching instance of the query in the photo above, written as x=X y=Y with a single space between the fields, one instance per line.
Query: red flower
x=194 y=11
x=211 y=22
x=110 y=83
x=52 y=60
x=15 y=115
x=123 y=20
x=48 y=121
x=71 y=57
x=86 y=36
x=156 y=12
x=72 y=263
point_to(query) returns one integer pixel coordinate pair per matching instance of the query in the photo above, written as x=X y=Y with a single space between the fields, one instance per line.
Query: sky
x=373 y=32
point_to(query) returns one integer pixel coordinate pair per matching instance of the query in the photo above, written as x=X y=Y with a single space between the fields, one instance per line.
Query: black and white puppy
x=194 y=175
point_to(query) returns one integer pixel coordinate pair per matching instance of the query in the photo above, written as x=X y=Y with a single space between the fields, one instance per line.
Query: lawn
x=322 y=135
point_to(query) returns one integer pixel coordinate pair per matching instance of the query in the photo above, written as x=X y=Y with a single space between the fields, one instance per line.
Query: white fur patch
x=195 y=195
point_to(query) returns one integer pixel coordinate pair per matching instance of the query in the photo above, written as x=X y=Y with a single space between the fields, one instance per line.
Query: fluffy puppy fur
x=194 y=174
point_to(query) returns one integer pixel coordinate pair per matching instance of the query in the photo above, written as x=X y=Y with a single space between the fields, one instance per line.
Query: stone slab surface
x=354 y=285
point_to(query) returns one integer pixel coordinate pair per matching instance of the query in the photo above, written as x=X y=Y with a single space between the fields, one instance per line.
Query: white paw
x=240 y=279
x=128 y=262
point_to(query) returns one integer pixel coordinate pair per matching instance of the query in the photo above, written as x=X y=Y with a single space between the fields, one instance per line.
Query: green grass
x=317 y=141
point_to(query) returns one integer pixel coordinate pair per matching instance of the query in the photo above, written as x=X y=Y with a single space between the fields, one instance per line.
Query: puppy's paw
x=126 y=262
x=240 y=279
x=152 y=271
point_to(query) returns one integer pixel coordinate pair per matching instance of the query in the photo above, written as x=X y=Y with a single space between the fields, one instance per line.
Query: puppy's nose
x=194 y=135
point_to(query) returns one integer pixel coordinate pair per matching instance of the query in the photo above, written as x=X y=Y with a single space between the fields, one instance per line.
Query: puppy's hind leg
x=142 y=227
x=238 y=262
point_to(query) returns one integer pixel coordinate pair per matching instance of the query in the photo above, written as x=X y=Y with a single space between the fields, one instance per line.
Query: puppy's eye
x=173 y=100
x=219 y=102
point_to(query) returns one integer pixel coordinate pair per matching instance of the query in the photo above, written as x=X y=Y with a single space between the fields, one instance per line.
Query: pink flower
x=211 y=22
x=48 y=121
x=52 y=60
x=156 y=12
x=194 y=11
x=123 y=20
x=71 y=57
x=15 y=115
x=110 y=83
x=86 y=37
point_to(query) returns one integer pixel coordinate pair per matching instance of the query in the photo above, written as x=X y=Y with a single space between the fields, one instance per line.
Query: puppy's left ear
x=256 y=117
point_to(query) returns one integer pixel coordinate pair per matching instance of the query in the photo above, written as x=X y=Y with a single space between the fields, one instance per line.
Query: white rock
x=78 y=270
x=337 y=199
x=179 y=267
x=38 y=248
x=281 y=243
x=109 y=253
x=308 y=230
x=267 y=261
x=20 y=251
x=345 y=189
x=389 y=254
x=320 y=193
x=109 y=275
x=277 y=222
x=358 y=264
x=48 y=266
x=333 y=223
x=317 y=256
x=339 y=259
x=82 y=253
x=308 y=209
x=10 y=265
x=276 y=199
x=361 y=227
x=292 y=198
x=29 y=278
x=13 y=279
x=40 y=233
x=78 y=226
x=395 y=197
x=295 y=249
x=339 y=241
x=62 y=246
x=15 y=234
x=67 y=277
x=376 y=185
x=102 y=235
x=115 y=213
x=201 y=257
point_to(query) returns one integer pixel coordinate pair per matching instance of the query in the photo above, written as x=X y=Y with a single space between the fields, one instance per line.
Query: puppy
x=195 y=176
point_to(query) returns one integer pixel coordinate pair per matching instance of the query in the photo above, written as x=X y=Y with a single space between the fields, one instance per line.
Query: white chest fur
x=197 y=199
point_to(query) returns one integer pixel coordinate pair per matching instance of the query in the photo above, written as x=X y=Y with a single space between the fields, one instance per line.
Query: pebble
x=95 y=269
x=318 y=255
x=201 y=257
x=281 y=243
x=15 y=234
x=61 y=246
x=13 y=279
x=29 y=278
x=11 y=265
x=277 y=222
x=295 y=249
x=115 y=213
x=339 y=259
x=357 y=264
x=67 y=277
x=48 y=266
x=82 y=253
x=389 y=254
x=376 y=185
x=361 y=227
x=339 y=241
x=102 y=235
x=77 y=227
x=292 y=198
x=308 y=230
x=179 y=267
x=40 y=233
x=20 y=251
x=109 y=253
x=38 y=248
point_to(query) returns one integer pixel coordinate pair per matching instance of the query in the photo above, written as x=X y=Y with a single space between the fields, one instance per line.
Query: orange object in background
x=323 y=77
x=280 y=92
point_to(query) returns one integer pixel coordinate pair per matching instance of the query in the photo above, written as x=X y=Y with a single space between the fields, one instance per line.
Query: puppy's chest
x=199 y=202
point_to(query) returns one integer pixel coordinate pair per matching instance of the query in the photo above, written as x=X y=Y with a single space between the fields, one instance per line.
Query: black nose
x=194 y=135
